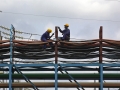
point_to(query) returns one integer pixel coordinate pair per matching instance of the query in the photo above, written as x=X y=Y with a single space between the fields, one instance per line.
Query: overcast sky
x=82 y=9
x=84 y=17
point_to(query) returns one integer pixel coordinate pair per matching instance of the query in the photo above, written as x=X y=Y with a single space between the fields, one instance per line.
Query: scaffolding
x=77 y=50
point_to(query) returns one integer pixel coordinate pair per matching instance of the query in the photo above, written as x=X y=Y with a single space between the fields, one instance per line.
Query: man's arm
x=60 y=30
x=51 y=35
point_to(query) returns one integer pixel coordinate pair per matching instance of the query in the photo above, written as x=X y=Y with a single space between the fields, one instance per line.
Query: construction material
x=61 y=85
x=50 y=76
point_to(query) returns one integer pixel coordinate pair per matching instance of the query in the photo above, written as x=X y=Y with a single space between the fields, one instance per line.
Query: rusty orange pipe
x=61 y=85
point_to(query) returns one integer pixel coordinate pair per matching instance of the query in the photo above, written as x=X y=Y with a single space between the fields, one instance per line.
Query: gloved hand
x=52 y=34
x=58 y=27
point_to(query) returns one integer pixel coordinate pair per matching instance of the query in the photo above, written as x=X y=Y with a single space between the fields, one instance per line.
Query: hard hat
x=49 y=30
x=66 y=25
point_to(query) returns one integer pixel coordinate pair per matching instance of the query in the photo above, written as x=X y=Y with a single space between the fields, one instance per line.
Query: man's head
x=66 y=26
x=49 y=30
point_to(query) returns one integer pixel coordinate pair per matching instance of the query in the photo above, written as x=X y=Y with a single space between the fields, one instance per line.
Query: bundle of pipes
x=68 y=50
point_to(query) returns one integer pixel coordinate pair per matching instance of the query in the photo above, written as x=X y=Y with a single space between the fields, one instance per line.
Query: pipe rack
x=77 y=50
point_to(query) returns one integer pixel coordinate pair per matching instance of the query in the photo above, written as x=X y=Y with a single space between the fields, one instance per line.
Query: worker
x=46 y=36
x=65 y=33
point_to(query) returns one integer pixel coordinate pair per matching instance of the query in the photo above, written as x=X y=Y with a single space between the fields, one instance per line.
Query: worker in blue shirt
x=65 y=33
x=46 y=36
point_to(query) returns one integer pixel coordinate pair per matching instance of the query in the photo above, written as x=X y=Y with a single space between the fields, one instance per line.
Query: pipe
x=61 y=85
x=50 y=76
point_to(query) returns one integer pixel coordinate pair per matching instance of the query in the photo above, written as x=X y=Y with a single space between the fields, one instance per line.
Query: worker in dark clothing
x=46 y=36
x=65 y=33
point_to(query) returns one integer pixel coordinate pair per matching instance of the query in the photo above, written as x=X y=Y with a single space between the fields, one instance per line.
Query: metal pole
x=2 y=59
x=0 y=36
x=56 y=77
x=94 y=82
x=100 y=38
x=101 y=77
x=56 y=50
x=56 y=58
x=100 y=59
x=11 y=59
x=13 y=38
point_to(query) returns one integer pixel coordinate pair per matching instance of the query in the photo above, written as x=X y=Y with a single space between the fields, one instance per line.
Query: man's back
x=66 y=32
x=45 y=35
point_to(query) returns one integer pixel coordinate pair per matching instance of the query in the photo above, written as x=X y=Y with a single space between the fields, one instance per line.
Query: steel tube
x=62 y=85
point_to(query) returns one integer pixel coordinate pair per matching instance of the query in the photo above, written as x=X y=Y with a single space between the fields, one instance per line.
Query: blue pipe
x=101 y=77
x=10 y=66
x=56 y=77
